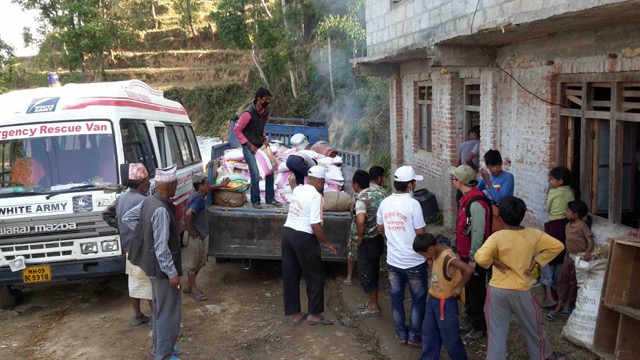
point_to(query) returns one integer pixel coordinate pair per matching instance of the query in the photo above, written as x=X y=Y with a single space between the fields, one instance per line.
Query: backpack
x=495 y=223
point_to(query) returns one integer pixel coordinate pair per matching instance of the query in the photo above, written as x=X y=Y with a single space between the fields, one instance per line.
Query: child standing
x=559 y=196
x=448 y=278
x=509 y=290
x=579 y=238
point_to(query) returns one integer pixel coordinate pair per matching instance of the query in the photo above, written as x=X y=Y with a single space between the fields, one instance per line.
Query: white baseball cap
x=406 y=173
x=317 y=172
x=299 y=140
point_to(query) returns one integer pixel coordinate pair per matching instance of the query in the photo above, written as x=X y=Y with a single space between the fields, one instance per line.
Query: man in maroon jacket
x=250 y=132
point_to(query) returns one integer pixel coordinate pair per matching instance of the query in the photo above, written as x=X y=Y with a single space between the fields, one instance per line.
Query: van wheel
x=7 y=298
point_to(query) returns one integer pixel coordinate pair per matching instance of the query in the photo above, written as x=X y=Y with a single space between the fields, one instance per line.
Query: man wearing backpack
x=472 y=228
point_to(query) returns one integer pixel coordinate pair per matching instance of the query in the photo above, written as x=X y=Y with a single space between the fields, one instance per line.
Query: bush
x=210 y=107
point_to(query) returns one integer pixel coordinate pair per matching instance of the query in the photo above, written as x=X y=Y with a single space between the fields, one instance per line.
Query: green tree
x=187 y=8
x=9 y=67
x=89 y=27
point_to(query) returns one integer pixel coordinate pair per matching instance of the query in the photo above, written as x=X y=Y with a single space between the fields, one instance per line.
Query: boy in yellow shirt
x=448 y=278
x=510 y=251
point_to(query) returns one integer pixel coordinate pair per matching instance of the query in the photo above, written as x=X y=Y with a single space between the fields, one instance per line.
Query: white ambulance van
x=60 y=151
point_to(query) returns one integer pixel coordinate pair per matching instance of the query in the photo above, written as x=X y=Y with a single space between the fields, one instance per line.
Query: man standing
x=136 y=178
x=301 y=250
x=472 y=229
x=468 y=154
x=400 y=218
x=369 y=239
x=250 y=132
x=196 y=238
x=469 y=151
x=376 y=174
x=156 y=249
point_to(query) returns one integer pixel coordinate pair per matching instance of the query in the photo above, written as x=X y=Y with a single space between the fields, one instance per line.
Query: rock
x=267 y=294
x=213 y=309
x=346 y=321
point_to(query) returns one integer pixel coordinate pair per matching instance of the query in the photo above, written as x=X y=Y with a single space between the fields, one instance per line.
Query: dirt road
x=243 y=319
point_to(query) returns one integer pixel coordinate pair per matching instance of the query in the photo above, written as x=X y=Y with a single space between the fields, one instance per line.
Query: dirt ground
x=242 y=319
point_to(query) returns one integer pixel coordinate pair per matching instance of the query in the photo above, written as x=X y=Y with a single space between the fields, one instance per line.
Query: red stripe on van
x=125 y=103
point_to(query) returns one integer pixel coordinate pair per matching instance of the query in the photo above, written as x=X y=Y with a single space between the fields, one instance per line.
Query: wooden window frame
x=589 y=113
x=424 y=104
x=469 y=109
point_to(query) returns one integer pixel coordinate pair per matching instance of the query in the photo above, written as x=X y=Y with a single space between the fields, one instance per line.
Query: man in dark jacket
x=250 y=132
x=136 y=178
x=156 y=249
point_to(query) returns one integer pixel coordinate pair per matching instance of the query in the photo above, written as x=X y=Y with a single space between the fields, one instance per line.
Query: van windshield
x=56 y=156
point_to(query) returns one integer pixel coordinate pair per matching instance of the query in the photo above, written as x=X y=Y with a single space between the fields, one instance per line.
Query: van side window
x=184 y=144
x=136 y=143
x=162 y=146
x=195 y=150
x=173 y=146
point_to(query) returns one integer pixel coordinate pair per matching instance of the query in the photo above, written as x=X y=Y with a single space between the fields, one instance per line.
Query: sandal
x=301 y=320
x=401 y=341
x=368 y=311
x=551 y=315
x=559 y=356
x=364 y=305
x=567 y=311
x=199 y=296
x=321 y=321
x=549 y=304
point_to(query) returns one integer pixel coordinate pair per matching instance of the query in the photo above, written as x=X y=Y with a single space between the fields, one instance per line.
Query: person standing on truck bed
x=300 y=161
x=137 y=180
x=156 y=249
x=250 y=132
x=196 y=238
x=301 y=251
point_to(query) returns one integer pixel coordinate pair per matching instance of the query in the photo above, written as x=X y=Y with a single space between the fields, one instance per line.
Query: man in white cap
x=301 y=251
x=136 y=178
x=156 y=249
x=400 y=218
x=301 y=161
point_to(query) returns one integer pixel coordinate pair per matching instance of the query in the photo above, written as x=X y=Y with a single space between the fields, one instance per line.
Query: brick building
x=581 y=56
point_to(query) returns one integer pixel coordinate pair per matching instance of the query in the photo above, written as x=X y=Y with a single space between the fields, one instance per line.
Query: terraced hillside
x=165 y=57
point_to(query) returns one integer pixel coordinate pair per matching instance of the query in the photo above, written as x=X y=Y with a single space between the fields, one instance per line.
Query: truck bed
x=249 y=233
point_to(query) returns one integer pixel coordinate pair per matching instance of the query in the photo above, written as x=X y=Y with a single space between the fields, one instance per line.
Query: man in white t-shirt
x=400 y=218
x=301 y=250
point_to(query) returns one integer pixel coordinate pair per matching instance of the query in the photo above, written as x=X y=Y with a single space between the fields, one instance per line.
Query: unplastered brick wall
x=527 y=127
x=446 y=108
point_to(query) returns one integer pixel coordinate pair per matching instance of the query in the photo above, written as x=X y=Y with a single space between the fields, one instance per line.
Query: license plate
x=36 y=274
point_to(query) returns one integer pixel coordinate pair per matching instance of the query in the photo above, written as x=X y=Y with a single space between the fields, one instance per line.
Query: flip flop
x=549 y=304
x=321 y=321
x=401 y=341
x=364 y=305
x=301 y=320
x=368 y=311
x=551 y=315
x=199 y=296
